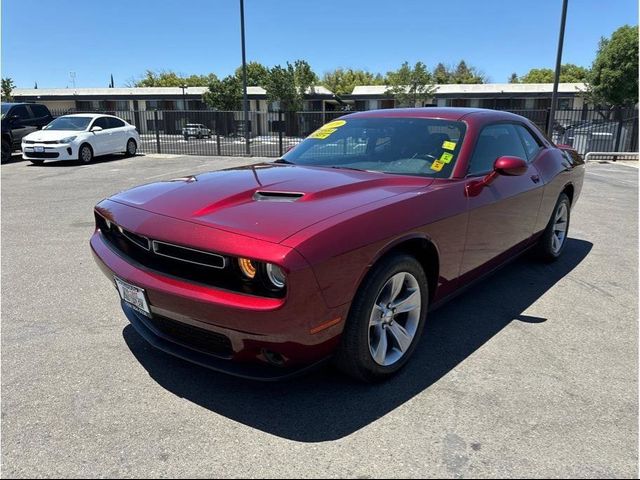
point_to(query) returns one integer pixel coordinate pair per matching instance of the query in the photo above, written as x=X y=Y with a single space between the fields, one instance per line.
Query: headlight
x=68 y=139
x=248 y=268
x=276 y=275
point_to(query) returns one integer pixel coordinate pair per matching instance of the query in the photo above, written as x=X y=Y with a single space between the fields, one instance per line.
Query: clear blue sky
x=44 y=40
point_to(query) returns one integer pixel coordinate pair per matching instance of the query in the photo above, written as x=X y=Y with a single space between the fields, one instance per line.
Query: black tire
x=354 y=356
x=132 y=148
x=37 y=162
x=83 y=156
x=547 y=249
x=199 y=136
x=6 y=151
x=186 y=137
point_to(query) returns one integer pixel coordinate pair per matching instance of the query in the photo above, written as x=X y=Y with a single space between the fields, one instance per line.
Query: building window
x=542 y=103
x=565 y=103
x=387 y=103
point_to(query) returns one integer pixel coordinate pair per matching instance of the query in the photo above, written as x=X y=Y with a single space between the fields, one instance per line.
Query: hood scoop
x=272 y=196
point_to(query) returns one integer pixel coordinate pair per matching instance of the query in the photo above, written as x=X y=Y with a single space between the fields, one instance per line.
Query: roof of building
x=137 y=91
x=481 y=88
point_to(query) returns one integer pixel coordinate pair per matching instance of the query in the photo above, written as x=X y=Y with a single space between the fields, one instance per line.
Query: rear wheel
x=6 y=151
x=386 y=320
x=132 y=148
x=85 y=154
x=553 y=240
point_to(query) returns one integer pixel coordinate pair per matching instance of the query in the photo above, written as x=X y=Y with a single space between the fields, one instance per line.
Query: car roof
x=91 y=115
x=444 y=113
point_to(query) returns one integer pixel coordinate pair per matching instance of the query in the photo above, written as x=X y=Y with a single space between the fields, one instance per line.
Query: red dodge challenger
x=339 y=248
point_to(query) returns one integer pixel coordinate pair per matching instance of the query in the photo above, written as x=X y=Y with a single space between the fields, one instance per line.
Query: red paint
x=328 y=239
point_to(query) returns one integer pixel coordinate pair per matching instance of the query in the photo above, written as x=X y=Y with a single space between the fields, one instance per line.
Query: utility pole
x=244 y=83
x=556 y=79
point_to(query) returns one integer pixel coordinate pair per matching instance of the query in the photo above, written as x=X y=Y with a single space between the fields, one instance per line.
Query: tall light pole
x=244 y=82
x=184 y=86
x=556 y=79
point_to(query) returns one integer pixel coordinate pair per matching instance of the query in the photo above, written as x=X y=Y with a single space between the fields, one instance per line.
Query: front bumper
x=251 y=371
x=256 y=327
x=50 y=152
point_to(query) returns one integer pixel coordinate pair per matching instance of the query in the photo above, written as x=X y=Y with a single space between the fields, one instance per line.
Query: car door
x=502 y=215
x=118 y=139
x=21 y=123
x=101 y=141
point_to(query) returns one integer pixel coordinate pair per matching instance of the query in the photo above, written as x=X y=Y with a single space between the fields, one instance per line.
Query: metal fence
x=273 y=133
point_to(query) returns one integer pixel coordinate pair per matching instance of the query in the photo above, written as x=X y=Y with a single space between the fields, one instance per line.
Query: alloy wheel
x=560 y=228
x=394 y=320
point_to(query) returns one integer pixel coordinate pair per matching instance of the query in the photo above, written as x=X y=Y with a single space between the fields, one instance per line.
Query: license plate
x=134 y=296
x=38 y=149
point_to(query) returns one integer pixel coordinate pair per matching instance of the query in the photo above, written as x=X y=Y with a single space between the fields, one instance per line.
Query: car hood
x=268 y=201
x=47 y=135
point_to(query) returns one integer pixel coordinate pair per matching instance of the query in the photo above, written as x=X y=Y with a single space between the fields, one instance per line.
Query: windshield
x=408 y=146
x=69 y=123
x=5 y=109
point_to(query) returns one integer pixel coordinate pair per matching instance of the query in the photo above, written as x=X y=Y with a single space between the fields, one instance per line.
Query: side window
x=101 y=122
x=115 y=122
x=531 y=144
x=21 y=111
x=495 y=141
x=39 y=111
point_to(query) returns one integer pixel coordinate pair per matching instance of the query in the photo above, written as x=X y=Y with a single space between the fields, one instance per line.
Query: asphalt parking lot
x=534 y=372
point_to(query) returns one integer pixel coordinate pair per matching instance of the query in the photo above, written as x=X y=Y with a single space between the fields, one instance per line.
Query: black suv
x=18 y=120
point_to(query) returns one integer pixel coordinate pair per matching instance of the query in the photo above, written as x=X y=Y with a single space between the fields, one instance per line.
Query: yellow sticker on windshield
x=322 y=133
x=437 y=165
x=447 y=145
x=334 y=124
x=446 y=157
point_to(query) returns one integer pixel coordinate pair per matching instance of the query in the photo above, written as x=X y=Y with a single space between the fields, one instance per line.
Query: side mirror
x=506 y=165
x=96 y=129
x=511 y=166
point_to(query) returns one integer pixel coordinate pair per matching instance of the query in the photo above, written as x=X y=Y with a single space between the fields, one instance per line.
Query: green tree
x=225 y=94
x=466 y=74
x=7 y=88
x=613 y=79
x=168 y=78
x=410 y=85
x=342 y=81
x=441 y=74
x=569 y=73
x=256 y=74
x=514 y=78
x=288 y=85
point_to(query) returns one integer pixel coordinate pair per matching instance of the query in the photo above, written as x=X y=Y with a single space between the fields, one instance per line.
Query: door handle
x=535 y=178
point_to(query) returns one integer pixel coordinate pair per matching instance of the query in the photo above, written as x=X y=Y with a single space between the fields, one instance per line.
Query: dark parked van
x=18 y=120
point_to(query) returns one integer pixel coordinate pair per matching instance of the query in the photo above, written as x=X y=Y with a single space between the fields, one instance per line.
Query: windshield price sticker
x=447 y=145
x=437 y=166
x=446 y=157
x=322 y=133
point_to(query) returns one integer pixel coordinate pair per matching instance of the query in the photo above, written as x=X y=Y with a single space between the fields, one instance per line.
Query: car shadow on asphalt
x=326 y=405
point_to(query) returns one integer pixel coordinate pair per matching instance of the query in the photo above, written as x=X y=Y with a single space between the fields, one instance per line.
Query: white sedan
x=80 y=137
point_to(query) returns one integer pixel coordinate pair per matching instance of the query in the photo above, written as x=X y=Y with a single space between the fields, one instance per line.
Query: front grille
x=42 y=154
x=182 y=262
x=193 y=337
x=47 y=142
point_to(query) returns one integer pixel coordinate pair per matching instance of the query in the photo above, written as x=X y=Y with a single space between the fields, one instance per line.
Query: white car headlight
x=276 y=275
x=68 y=139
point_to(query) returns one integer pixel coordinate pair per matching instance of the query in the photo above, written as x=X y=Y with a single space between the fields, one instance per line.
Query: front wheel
x=85 y=154
x=554 y=238
x=6 y=151
x=386 y=320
